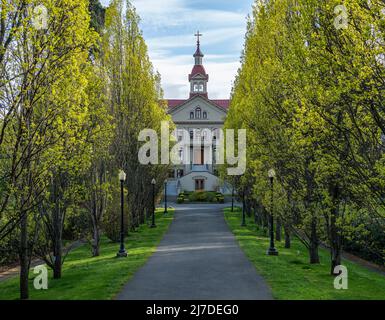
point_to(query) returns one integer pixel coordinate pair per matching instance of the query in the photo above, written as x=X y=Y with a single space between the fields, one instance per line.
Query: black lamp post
x=153 y=182
x=243 y=210
x=122 y=251
x=232 y=200
x=272 y=251
x=165 y=196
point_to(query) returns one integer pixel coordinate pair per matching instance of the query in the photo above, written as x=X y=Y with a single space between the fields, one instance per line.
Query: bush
x=9 y=247
x=180 y=199
x=76 y=224
x=198 y=196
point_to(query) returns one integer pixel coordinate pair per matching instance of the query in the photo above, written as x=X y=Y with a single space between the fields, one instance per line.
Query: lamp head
x=271 y=173
x=122 y=175
x=153 y=181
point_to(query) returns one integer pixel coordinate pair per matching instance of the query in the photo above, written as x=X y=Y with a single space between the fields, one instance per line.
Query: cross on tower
x=198 y=35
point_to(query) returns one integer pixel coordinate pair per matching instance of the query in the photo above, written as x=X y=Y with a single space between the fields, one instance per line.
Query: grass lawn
x=101 y=277
x=292 y=277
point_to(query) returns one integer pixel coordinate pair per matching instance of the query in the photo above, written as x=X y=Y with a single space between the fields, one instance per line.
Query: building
x=199 y=116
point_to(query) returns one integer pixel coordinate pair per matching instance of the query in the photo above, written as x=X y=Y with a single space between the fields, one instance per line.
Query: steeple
x=198 y=77
x=198 y=55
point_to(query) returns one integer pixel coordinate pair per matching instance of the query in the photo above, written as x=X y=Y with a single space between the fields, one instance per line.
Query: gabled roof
x=174 y=103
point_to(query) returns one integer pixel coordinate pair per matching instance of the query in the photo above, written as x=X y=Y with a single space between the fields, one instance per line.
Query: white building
x=200 y=116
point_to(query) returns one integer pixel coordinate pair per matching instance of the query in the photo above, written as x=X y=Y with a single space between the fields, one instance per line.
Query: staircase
x=172 y=188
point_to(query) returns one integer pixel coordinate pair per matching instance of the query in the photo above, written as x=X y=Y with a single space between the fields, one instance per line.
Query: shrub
x=180 y=199
x=76 y=224
x=221 y=199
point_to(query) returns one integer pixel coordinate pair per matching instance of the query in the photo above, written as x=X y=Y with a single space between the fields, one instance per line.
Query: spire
x=198 y=55
x=198 y=77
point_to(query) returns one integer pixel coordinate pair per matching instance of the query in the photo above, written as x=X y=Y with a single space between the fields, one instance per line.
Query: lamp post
x=122 y=251
x=232 y=200
x=153 y=182
x=272 y=251
x=243 y=210
x=165 y=196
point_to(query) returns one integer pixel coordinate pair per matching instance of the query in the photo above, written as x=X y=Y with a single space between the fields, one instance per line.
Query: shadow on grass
x=102 y=277
x=290 y=274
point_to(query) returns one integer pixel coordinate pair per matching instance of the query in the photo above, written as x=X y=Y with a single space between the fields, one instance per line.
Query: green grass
x=290 y=275
x=85 y=277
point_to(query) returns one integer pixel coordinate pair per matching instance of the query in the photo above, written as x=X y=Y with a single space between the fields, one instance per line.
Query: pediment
x=182 y=112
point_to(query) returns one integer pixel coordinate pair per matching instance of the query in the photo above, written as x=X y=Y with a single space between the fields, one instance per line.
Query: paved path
x=198 y=258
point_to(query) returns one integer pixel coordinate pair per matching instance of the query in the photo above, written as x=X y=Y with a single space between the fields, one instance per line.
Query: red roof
x=173 y=103
x=222 y=103
x=198 y=69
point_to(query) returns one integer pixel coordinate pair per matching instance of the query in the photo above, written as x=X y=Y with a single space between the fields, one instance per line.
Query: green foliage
x=180 y=198
x=308 y=95
x=202 y=196
x=111 y=219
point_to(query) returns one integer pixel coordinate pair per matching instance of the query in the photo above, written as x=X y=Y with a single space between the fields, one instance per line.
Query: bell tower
x=198 y=78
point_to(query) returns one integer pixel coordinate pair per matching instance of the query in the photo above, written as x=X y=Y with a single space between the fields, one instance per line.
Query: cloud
x=168 y=27
x=175 y=70
x=211 y=37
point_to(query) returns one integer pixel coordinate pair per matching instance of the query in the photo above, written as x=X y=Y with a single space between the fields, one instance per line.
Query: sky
x=169 y=26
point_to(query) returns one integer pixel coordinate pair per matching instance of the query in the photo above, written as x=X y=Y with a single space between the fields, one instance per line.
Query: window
x=196 y=87
x=200 y=87
x=204 y=115
x=198 y=113
x=191 y=115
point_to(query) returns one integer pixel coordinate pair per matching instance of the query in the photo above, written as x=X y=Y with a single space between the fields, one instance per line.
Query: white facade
x=200 y=117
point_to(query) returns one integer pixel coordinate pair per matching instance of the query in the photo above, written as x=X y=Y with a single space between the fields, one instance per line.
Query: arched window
x=191 y=115
x=198 y=112
x=204 y=115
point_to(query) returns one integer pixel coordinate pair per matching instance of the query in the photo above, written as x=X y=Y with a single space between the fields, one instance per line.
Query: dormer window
x=198 y=112
x=191 y=115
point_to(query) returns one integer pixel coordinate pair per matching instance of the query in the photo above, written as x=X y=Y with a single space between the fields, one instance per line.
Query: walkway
x=198 y=258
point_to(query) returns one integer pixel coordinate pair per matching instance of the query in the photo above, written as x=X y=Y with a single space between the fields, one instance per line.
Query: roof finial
x=198 y=35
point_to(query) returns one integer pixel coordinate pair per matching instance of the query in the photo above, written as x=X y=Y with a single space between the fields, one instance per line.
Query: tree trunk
x=142 y=216
x=287 y=237
x=313 y=253
x=335 y=245
x=278 y=231
x=96 y=241
x=58 y=253
x=24 y=260
x=314 y=243
x=335 y=239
